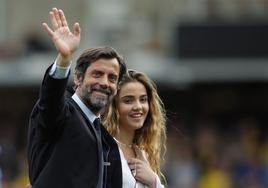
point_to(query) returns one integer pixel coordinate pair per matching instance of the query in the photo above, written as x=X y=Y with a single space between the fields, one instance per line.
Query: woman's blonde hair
x=152 y=136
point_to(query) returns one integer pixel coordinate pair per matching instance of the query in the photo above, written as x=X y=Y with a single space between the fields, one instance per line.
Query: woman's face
x=132 y=104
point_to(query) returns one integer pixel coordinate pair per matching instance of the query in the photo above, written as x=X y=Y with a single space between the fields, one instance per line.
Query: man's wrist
x=59 y=72
x=63 y=61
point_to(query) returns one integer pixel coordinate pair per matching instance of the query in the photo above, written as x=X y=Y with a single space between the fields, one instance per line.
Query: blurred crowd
x=218 y=156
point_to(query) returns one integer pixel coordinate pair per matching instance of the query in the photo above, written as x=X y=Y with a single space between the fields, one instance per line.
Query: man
x=65 y=148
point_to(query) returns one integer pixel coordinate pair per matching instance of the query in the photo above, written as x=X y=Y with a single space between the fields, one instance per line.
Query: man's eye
x=113 y=79
x=96 y=74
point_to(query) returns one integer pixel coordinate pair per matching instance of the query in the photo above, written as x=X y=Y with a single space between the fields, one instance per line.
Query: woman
x=136 y=119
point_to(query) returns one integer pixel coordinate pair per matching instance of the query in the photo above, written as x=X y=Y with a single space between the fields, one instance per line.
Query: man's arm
x=52 y=103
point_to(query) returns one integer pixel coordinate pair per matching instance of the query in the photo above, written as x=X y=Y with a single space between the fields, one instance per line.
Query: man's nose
x=104 y=81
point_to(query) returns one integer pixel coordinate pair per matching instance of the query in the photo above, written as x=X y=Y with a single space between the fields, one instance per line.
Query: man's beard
x=95 y=103
x=98 y=102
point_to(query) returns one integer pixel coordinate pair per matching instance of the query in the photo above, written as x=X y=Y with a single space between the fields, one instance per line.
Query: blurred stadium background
x=209 y=59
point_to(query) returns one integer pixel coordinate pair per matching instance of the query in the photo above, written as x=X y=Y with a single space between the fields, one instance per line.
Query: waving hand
x=65 y=41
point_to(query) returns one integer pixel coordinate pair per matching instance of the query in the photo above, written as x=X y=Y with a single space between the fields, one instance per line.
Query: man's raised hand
x=65 y=41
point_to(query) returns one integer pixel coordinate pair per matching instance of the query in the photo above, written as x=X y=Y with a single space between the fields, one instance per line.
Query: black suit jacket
x=63 y=149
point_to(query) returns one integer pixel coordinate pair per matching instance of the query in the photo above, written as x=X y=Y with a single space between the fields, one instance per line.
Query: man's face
x=99 y=84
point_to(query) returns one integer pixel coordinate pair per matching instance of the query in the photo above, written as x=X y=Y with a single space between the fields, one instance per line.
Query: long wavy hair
x=152 y=136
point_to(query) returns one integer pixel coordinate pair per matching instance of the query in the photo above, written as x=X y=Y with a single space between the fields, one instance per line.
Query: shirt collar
x=91 y=117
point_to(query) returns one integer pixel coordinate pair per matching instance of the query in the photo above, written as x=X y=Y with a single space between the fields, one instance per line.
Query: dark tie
x=97 y=125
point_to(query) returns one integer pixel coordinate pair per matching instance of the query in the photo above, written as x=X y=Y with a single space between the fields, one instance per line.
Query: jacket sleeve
x=52 y=107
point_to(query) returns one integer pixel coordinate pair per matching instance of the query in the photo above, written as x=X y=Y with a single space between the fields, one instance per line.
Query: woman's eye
x=143 y=100
x=127 y=101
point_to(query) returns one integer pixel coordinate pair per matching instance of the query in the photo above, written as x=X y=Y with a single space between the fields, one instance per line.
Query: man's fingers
x=77 y=29
x=53 y=20
x=63 y=19
x=57 y=17
x=47 y=29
